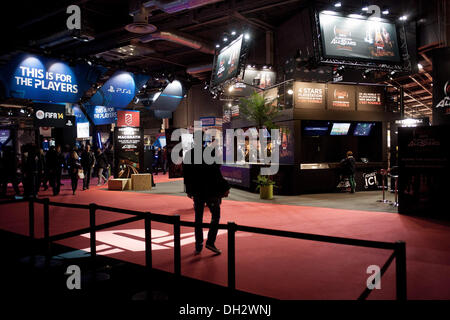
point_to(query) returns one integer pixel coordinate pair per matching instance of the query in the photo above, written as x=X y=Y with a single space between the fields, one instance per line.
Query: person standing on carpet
x=102 y=162
x=204 y=184
x=348 y=169
x=73 y=165
x=88 y=163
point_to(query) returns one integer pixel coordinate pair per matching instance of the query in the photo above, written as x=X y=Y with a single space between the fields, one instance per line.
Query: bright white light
x=225 y=39
x=233 y=33
x=365 y=9
x=230 y=89
x=357 y=16
x=403 y=18
x=246 y=36
x=229 y=104
x=376 y=19
x=333 y=13
x=290 y=91
x=338 y=4
x=385 y=11
x=420 y=66
x=217 y=46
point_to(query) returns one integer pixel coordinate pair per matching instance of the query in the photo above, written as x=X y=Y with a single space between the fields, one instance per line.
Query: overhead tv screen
x=313 y=129
x=227 y=62
x=353 y=38
x=340 y=129
x=363 y=129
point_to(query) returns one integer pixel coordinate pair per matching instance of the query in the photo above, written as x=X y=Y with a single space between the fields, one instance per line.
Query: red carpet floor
x=271 y=266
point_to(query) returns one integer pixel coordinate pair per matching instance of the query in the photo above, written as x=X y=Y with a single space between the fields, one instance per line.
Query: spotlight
x=385 y=11
x=357 y=16
x=89 y=62
x=225 y=39
x=420 y=66
x=265 y=67
x=403 y=18
x=230 y=89
x=229 y=104
x=338 y=4
x=217 y=45
x=22 y=111
x=233 y=33
x=290 y=91
x=365 y=9
x=246 y=36
x=144 y=86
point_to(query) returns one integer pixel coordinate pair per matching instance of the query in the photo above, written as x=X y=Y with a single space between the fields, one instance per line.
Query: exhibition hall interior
x=176 y=151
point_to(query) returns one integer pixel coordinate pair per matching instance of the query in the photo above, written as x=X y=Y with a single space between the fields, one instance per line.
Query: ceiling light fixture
x=338 y=4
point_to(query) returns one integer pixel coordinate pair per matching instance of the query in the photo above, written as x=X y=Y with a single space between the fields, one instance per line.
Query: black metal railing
x=399 y=247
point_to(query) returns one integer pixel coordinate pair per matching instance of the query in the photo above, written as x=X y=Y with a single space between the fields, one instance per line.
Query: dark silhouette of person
x=348 y=169
x=32 y=165
x=73 y=165
x=88 y=163
x=9 y=170
x=204 y=184
x=55 y=162
x=103 y=165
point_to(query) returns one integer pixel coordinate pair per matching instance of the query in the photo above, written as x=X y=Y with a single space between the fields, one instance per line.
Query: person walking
x=348 y=165
x=55 y=162
x=204 y=184
x=8 y=164
x=164 y=159
x=88 y=163
x=45 y=177
x=102 y=164
x=73 y=166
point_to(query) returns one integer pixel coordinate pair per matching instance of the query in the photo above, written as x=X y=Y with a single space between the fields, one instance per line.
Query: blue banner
x=34 y=77
x=102 y=115
x=119 y=90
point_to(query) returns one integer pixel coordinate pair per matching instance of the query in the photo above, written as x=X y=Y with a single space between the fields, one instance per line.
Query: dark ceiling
x=40 y=26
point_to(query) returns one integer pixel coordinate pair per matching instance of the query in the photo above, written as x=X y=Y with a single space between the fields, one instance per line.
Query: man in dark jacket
x=348 y=169
x=88 y=163
x=102 y=163
x=55 y=162
x=205 y=185
x=9 y=170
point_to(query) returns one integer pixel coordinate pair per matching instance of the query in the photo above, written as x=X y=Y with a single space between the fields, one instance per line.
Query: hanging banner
x=49 y=115
x=38 y=78
x=170 y=98
x=101 y=115
x=119 y=90
x=441 y=86
x=128 y=118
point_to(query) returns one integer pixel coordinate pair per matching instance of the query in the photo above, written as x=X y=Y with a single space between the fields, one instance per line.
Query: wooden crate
x=141 y=181
x=119 y=184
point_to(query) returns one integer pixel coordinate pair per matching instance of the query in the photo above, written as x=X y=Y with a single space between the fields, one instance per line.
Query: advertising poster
x=441 y=86
x=424 y=170
x=227 y=62
x=309 y=95
x=129 y=150
x=38 y=78
x=344 y=37
x=253 y=79
x=235 y=111
x=101 y=115
x=49 y=115
x=119 y=90
x=236 y=175
x=83 y=130
x=128 y=118
x=341 y=97
x=370 y=98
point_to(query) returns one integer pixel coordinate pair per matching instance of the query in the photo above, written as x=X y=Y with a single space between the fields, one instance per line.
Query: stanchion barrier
x=383 y=173
x=395 y=203
x=399 y=248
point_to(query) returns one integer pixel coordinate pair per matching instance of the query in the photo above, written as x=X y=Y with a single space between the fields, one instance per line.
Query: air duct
x=178 y=5
x=176 y=38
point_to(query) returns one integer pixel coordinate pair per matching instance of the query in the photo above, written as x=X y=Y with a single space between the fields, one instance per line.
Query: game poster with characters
x=344 y=37
x=227 y=62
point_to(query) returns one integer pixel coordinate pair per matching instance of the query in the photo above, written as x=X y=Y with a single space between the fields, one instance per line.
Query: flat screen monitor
x=5 y=136
x=316 y=128
x=357 y=38
x=339 y=129
x=363 y=129
x=227 y=62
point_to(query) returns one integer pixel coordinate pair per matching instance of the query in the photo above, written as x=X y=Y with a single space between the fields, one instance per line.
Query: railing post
x=400 y=270
x=47 y=227
x=232 y=255
x=148 y=241
x=92 y=209
x=177 y=245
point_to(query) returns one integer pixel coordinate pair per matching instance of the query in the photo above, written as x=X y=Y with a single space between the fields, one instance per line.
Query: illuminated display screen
x=340 y=129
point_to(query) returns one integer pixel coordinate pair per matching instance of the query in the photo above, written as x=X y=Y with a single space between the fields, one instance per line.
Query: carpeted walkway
x=271 y=266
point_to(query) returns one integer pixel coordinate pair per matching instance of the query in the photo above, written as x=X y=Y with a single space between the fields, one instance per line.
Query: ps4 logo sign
x=119 y=90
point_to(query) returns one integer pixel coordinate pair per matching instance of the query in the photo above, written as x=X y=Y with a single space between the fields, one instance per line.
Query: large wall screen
x=353 y=38
x=227 y=62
